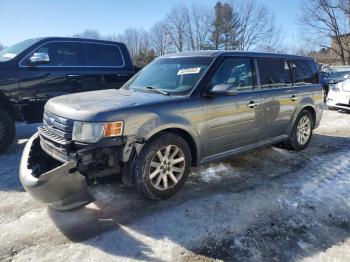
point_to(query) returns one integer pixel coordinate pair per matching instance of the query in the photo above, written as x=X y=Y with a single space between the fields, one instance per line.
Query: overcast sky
x=22 y=19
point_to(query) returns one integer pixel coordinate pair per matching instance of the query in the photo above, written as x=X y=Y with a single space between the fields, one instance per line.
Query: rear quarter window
x=101 y=55
x=274 y=72
x=304 y=72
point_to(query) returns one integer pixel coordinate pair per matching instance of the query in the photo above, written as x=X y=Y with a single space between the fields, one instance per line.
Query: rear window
x=103 y=55
x=274 y=72
x=304 y=72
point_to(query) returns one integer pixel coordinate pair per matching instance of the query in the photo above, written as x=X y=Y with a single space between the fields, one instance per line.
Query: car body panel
x=230 y=123
x=340 y=98
x=218 y=125
x=62 y=188
x=26 y=88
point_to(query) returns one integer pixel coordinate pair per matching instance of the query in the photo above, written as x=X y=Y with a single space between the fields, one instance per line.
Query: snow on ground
x=268 y=205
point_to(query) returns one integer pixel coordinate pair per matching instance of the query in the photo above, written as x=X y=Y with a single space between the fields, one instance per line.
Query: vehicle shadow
x=11 y=158
x=126 y=218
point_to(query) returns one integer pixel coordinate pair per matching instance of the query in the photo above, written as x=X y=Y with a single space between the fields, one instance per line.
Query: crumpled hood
x=99 y=105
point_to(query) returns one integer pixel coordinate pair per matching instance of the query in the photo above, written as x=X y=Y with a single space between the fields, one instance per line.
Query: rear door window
x=62 y=54
x=103 y=55
x=304 y=72
x=274 y=72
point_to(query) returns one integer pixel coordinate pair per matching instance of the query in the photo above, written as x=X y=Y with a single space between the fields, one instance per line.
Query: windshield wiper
x=157 y=90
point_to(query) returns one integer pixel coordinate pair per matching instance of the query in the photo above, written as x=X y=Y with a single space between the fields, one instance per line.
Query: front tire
x=301 y=132
x=163 y=166
x=7 y=130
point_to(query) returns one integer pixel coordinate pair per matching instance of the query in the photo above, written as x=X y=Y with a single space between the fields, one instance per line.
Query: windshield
x=12 y=51
x=175 y=76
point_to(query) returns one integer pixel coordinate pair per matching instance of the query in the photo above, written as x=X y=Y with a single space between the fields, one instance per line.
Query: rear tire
x=7 y=130
x=301 y=132
x=163 y=166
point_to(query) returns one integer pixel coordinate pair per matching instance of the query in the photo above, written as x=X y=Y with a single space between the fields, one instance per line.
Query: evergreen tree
x=225 y=28
x=216 y=32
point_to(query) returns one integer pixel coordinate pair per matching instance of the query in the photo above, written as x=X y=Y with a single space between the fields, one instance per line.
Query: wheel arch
x=307 y=106
x=186 y=135
x=128 y=174
x=312 y=110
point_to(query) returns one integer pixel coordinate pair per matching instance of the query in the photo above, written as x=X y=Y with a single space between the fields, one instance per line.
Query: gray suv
x=182 y=110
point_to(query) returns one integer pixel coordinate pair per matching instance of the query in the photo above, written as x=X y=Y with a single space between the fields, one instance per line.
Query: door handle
x=294 y=98
x=252 y=104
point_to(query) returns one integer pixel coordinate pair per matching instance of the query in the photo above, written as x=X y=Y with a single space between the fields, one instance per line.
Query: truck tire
x=301 y=132
x=162 y=166
x=7 y=130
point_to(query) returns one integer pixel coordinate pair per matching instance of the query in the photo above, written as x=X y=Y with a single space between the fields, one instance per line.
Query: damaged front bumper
x=59 y=185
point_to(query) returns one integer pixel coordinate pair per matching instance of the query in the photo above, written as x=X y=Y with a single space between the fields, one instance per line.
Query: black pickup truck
x=35 y=70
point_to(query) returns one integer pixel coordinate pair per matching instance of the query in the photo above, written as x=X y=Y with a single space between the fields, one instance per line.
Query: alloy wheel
x=167 y=167
x=304 y=130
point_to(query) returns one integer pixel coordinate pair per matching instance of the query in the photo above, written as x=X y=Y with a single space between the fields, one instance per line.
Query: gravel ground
x=268 y=205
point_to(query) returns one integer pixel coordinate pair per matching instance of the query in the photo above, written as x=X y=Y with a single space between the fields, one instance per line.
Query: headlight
x=93 y=132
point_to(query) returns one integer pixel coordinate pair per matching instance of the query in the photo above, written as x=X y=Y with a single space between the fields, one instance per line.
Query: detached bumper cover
x=63 y=187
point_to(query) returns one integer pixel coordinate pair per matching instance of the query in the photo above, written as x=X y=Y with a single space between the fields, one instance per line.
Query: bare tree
x=177 y=25
x=159 y=38
x=136 y=39
x=138 y=42
x=199 y=19
x=344 y=5
x=254 y=24
x=89 y=33
x=273 y=39
x=324 y=24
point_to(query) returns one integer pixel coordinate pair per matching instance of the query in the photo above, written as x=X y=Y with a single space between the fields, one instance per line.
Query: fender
x=164 y=127
x=305 y=102
x=134 y=146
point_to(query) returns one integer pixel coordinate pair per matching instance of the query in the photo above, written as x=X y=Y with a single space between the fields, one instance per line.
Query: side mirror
x=39 y=58
x=224 y=89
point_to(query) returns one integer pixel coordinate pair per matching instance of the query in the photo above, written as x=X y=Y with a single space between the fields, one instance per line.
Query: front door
x=232 y=120
x=60 y=75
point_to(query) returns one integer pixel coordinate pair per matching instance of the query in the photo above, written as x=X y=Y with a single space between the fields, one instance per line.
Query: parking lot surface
x=267 y=205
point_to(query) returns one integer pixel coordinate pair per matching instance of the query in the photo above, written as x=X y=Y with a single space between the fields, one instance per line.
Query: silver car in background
x=339 y=96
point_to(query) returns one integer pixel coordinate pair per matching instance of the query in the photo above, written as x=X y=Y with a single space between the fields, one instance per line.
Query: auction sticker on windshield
x=187 y=71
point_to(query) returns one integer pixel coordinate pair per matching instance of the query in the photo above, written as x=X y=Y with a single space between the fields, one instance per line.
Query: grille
x=57 y=129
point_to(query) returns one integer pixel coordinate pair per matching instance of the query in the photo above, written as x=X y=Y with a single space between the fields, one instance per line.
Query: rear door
x=232 y=121
x=278 y=98
x=61 y=75
x=105 y=67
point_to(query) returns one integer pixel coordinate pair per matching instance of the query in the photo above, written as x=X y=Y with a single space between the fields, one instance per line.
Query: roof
x=216 y=53
x=58 y=38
